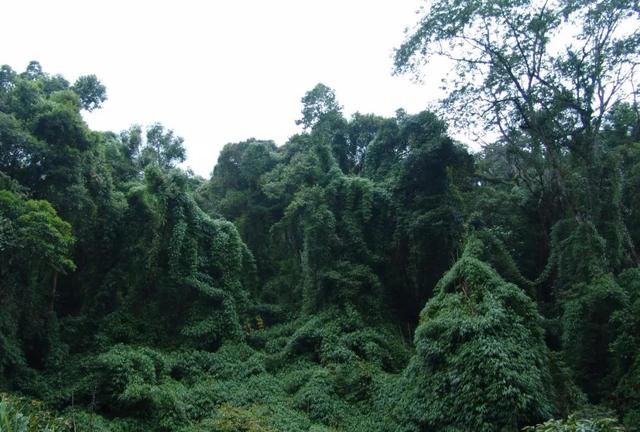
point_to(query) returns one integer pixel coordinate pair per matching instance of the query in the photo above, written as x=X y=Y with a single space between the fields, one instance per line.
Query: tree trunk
x=54 y=286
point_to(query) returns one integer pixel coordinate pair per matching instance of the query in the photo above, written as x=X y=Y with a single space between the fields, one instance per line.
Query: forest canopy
x=371 y=273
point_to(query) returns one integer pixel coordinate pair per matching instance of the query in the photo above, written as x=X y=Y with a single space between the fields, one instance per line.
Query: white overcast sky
x=219 y=71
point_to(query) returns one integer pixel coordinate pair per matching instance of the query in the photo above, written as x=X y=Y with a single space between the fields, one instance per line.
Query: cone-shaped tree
x=480 y=363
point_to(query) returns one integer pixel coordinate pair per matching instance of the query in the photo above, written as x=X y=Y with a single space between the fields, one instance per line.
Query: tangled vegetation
x=369 y=274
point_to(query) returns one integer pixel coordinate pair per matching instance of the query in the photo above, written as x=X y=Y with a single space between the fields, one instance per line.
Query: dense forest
x=370 y=274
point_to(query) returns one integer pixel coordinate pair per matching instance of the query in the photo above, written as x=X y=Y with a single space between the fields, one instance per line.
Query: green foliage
x=7 y=77
x=193 y=268
x=23 y=415
x=508 y=69
x=586 y=335
x=91 y=92
x=33 y=72
x=280 y=295
x=480 y=361
x=34 y=232
x=625 y=324
x=432 y=174
x=35 y=246
x=338 y=221
x=577 y=423
x=341 y=335
x=235 y=191
x=318 y=103
x=163 y=148
x=19 y=151
x=232 y=419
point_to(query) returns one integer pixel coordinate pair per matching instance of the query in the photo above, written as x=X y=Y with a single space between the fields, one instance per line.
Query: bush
x=23 y=415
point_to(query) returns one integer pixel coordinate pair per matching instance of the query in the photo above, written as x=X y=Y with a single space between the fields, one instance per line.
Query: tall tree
x=318 y=102
x=551 y=107
x=91 y=91
x=163 y=148
x=543 y=100
x=480 y=363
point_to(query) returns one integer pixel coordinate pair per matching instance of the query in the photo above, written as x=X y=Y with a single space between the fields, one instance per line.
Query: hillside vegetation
x=370 y=274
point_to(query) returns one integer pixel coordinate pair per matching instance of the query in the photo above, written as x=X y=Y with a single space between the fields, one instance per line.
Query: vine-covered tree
x=284 y=293
x=481 y=362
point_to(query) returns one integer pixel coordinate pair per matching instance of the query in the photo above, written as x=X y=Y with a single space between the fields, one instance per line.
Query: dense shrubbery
x=284 y=293
x=24 y=415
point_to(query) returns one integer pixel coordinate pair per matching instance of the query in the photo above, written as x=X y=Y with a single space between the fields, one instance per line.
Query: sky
x=220 y=71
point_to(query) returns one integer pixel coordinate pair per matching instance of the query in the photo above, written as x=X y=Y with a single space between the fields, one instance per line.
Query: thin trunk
x=54 y=286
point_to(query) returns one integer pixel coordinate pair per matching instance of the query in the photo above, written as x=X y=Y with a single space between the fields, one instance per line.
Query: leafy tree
x=33 y=72
x=587 y=335
x=182 y=261
x=54 y=83
x=555 y=111
x=480 y=361
x=502 y=52
x=162 y=147
x=7 y=77
x=316 y=104
x=20 y=152
x=425 y=171
x=361 y=131
x=24 y=99
x=543 y=102
x=91 y=91
x=235 y=192
x=35 y=246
